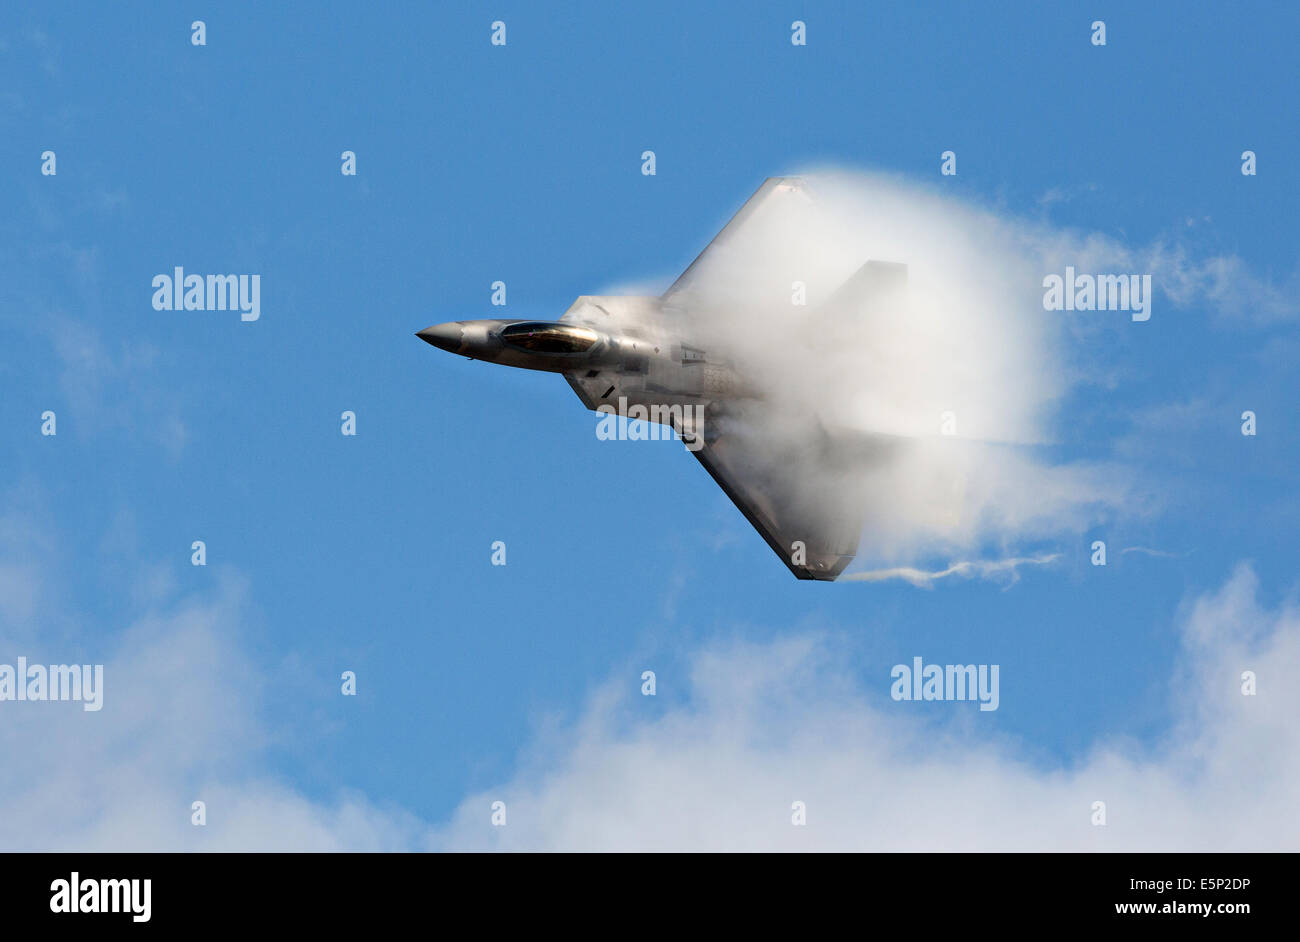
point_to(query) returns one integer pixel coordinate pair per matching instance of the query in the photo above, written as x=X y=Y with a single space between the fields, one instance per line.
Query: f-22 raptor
x=803 y=495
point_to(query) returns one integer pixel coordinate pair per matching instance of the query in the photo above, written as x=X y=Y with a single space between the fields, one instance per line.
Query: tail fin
x=870 y=287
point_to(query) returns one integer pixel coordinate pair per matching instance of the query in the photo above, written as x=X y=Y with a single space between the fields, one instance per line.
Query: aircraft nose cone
x=444 y=336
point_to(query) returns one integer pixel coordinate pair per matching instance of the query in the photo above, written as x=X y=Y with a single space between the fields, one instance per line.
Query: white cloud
x=180 y=722
x=768 y=724
x=772 y=724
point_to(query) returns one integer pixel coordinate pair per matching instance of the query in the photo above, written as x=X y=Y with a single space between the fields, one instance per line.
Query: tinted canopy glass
x=541 y=337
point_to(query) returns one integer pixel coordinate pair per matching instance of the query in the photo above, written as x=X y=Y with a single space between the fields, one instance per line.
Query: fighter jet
x=627 y=351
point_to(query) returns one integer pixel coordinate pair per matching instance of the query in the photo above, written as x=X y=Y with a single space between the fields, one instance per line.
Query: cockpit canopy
x=547 y=337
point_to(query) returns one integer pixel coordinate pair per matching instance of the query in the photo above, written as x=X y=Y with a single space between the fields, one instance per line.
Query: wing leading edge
x=772 y=190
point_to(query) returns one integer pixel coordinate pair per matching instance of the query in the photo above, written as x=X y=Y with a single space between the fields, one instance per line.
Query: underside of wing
x=594 y=387
x=805 y=498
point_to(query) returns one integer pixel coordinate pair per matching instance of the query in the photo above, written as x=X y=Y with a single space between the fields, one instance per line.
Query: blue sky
x=522 y=163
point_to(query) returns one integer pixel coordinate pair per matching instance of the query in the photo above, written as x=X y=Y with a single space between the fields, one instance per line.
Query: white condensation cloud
x=965 y=379
x=968 y=335
x=774 y=724
x=959 y=378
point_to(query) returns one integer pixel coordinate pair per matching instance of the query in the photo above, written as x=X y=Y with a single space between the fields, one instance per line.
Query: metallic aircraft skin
x=625 y=351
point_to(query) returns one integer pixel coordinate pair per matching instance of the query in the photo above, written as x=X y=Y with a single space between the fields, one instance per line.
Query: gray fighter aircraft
x=622 y=351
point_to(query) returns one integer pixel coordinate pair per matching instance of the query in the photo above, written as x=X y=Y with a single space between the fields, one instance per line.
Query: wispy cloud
x=114 y=389
x=984 y=569
x=1148 y=551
